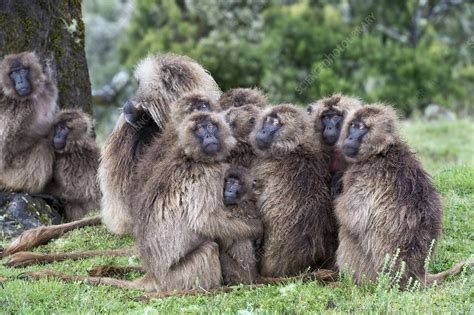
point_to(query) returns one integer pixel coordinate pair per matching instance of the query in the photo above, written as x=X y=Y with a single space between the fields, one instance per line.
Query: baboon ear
x=254 y=184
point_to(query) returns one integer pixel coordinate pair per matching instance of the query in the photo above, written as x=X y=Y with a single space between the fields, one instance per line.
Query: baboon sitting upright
x=327 y=116
x=182 y=209
x=293 y=195
x=162 y=79
x=76 y=164
x=388 y=202
x=27 y=108
x=238 y=258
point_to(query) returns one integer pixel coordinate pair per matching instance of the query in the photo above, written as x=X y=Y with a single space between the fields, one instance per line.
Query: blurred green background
x=407 y=53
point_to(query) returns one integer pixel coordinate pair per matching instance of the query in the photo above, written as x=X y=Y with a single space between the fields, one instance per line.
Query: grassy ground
x=447 y=150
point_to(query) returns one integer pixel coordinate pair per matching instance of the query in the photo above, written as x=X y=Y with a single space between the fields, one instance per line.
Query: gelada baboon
x=240 y=97
x=327 y=116
x=242 y=121
x=162 y=79
x=76 y=164
x=27 y=108
x=182 y=209
x=293 y=195
x=186 y=105
x=238 y=259
x=388 y=202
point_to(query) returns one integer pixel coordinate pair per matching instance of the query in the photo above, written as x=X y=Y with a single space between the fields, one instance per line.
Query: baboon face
x=242 y=120
x=368 y=131
x=205 y=136
x=328 y=116
x=279 y=130
x=357 y=131
x=238 y=185
x=207 y=132
x=71 y=127
x=266 y=134
x=21 y=75
x=332 y=123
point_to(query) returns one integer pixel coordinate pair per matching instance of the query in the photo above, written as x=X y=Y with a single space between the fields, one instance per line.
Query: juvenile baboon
x=388 y=202
x=162 y=80
x=27 y=108
x=76 y=164
x=293 y=196
x=327 y=116
x=238 y=259
x=242 y=121
x=240 y=97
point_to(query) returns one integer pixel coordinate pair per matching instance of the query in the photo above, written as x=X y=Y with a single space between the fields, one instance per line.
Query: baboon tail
x=441 y=276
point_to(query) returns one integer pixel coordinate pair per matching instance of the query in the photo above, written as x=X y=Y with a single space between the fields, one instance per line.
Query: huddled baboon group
x=221 y=188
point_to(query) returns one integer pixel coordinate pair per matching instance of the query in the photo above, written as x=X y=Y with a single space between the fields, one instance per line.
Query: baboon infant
x=182 y=210
x=75 y=167
x=238 y=259
x=327 y=116
x=388 y=202
x=293 y=194
x=27 y=107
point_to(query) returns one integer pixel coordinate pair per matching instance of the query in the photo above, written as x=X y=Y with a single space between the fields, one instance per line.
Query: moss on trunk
x=53 y=29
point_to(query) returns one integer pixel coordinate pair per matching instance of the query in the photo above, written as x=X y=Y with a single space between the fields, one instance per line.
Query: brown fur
x=343 y=105
x=75 y=167
x=182 y=212
x=388 y=201
x=240 y=97
x=293 y=200
x=26 y=152
x=162 y=80
x=242 y=120
x=238 y=259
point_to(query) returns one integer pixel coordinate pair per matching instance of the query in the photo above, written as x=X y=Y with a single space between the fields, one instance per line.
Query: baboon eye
x=210 y=126
x=276 y=122
x=200 y=129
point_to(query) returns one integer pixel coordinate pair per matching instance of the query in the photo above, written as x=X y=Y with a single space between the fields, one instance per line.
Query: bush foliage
x=298 y=51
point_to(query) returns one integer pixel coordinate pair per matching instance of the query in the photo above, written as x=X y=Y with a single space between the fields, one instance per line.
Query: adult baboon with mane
x=293 y=195
x=162 y=80
x=388 y=204
x=28 y=98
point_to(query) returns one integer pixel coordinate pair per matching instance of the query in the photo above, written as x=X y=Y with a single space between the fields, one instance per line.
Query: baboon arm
x=223 y=225
x=41 y=235
x=23 y=259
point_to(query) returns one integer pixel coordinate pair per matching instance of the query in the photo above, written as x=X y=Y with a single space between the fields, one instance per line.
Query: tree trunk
x=55 y=30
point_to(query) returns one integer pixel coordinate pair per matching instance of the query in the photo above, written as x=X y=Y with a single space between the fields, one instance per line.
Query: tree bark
x=55 y=30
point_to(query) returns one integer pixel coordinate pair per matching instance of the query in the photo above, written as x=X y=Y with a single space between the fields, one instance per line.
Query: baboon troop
x=44 y=151
x=221 y=188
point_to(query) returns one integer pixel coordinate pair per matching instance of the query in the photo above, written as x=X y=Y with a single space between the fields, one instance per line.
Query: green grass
x=446 y=149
